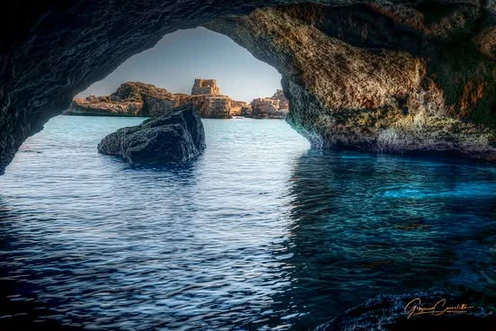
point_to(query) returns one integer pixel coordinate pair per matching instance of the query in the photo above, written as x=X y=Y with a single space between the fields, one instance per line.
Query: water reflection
x=366 y=225
x=254 y=236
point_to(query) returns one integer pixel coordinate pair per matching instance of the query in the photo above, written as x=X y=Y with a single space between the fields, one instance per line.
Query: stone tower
x=205 y=86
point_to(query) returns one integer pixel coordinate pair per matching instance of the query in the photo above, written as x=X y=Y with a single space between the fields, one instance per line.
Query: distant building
x=205 y=86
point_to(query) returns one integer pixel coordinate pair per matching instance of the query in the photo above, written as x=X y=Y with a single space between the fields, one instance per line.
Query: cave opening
x=260 y=227
x=219 y=78
x=190 y=64
x=197 y=67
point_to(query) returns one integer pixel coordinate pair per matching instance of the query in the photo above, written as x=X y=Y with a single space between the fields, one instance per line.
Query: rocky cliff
x=275 y=107
x=212 y=106
x=389 y=78
x=147 y=100
x=104 y=106
x=283 y=101
x=398 y=76
x=130 y=99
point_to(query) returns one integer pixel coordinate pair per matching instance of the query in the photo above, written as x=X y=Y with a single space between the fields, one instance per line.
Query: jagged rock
x=356 y=74
x=147 y=100
x=238 y=108
x=212 y=106
x=276 y=107
x=205 y=86
x=169 y=139
x=103 y=106
x=130 y=99
x=283 y=101
x=390 y=312
x=381 y=77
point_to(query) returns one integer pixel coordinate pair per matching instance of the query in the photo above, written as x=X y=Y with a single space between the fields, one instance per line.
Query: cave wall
x=52 y=50
x=389 y=58
x=390 y=78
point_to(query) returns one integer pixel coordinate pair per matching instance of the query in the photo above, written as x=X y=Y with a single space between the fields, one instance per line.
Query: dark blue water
x=260 y=233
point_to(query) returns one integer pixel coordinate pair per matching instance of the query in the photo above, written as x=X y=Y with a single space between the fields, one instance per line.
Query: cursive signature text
x=414 y=308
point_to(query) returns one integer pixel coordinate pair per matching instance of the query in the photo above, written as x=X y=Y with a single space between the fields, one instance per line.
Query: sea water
x=259 y=233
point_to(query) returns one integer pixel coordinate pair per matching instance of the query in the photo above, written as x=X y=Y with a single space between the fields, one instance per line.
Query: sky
x=184 y=55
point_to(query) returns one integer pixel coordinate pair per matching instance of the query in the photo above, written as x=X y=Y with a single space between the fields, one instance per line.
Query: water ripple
x=258 y=234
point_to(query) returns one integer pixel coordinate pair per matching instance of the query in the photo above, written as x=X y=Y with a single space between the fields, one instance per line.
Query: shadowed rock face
x=346 y=66
x=175 y=138
x=381 y=77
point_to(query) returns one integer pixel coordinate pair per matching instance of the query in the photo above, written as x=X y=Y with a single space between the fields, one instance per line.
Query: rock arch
x=399 y=76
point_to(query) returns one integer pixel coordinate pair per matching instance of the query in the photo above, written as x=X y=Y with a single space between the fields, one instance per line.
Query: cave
x=437 y=56
x=363 y=77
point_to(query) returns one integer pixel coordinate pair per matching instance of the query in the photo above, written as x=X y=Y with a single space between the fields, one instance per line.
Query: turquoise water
x=260 y=233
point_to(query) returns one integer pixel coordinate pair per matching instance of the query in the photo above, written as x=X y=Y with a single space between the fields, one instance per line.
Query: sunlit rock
x=130 y=99
x=276 y=106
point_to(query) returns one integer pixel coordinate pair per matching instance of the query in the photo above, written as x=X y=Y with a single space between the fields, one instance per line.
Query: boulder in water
x=169 y=139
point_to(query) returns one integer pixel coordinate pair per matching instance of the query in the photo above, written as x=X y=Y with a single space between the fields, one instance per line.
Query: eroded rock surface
x=175 y=138
x=391 y=76
x=146 y=100
x=130 y=99
x=276 y=107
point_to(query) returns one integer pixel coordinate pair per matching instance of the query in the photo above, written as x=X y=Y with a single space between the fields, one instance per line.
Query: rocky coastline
x=136 y=99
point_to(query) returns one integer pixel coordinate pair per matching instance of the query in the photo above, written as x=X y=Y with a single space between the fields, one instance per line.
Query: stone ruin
x=205 y=86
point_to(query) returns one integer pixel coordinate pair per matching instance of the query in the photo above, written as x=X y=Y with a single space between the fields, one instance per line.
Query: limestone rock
x=380 y=77
x=283 y=101
x=139 y=99
x=104 y=106
x=130 y=99
x=276 y=106
x=205 y=86
x=237 y=108
x=210 y=106
x=174 y=138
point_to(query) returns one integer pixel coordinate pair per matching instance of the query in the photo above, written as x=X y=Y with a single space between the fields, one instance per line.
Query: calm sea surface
x=260 y=233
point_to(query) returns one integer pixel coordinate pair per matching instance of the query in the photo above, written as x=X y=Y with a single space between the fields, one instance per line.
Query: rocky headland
x=130 y=99
x=147 y=100
x=174 y=138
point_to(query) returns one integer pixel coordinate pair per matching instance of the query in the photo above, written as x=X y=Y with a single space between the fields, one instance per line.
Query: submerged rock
x=401 y=312
x=169 y=139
